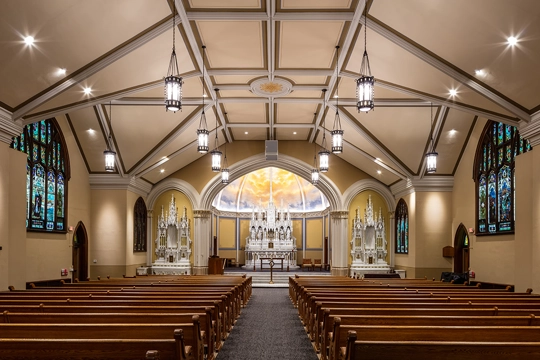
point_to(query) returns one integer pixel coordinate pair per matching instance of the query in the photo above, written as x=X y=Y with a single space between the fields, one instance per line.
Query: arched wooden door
x=461 y=250
x=80 y=253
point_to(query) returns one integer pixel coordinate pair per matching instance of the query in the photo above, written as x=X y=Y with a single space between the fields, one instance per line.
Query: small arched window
x=47 y=175
x=494 y=177
x=139 y=226
x=402 y=228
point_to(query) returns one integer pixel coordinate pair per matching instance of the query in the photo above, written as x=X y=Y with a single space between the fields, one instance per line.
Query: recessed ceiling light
x=336 y=96
x=479 y=72
x=512 y=40
x=61 y=71
x=162 y=171
x=294 y=132
x=379 y=172
x=204 y=95
x=87 y=90
x=453 y=92
x=91 y=131
x=453 y=132
x=246 y=132
x=29 y=40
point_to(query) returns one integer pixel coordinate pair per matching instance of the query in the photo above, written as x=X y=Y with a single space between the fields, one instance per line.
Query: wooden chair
x=317 y=263
x=306 y=263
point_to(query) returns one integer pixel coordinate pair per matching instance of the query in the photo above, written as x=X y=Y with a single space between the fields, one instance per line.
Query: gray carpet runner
x=268 y=329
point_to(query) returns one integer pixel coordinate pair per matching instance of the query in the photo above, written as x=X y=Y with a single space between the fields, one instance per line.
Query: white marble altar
x=173 y=243
x=368 y=243
x=270 y=237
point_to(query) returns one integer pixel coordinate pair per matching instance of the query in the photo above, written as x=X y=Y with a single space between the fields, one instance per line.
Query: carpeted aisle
x=268 y=328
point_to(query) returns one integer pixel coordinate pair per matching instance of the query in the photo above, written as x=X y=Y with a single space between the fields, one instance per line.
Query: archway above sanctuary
x=258 y=187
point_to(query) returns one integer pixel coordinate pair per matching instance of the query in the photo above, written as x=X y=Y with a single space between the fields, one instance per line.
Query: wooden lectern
x=215 y=265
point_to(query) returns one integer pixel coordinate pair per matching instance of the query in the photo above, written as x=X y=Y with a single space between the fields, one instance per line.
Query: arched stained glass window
x=139 y=226
x=402 y=228
x=494 y=177
x=47 y=172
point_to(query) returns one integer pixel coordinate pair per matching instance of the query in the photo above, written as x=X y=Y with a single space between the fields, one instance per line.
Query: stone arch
x=368 y=184
x=256 y=162
x=173 y=184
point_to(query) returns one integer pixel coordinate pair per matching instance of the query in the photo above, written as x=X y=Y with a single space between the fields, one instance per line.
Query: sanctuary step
x=280 y=279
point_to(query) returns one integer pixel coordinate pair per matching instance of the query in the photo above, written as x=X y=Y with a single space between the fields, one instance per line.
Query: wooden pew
x=338 y=342
x=191 y=333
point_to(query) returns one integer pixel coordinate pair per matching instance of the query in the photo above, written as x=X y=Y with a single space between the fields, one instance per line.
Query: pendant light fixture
x=202 y=131
x=431 y=157
x=337 y=132
x=173 y=82
x=315 y=170
x=109 y=154
x=216 y=154
x=225 y=170
x=323 y=153
x=365 y=83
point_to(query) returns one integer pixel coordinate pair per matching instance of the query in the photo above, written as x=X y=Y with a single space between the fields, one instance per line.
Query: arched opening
x=461 y=250
x=80 y=253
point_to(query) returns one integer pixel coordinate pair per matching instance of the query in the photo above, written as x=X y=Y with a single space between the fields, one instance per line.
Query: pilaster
x=201 y=242
x=149 y=238
x=338 y=237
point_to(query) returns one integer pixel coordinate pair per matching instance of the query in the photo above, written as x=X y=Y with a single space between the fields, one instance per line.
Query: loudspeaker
x=271 y=149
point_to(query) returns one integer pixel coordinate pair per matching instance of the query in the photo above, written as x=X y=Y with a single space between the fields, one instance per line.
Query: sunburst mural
x=254 y=189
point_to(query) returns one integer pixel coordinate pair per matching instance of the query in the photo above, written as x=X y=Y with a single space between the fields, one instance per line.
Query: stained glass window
x=46 y=173
x=494 y=176
x=402 y=228
x=139 y=226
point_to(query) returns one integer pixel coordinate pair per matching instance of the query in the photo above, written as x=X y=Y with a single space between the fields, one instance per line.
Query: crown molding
x=116 y=182
x=531 y=130
x=8 y=127
x=425 y=184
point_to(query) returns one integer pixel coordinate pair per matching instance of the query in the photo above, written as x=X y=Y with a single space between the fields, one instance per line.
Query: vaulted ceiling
x=271 y=59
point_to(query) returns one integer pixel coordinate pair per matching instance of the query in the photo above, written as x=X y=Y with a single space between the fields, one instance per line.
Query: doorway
x=461 y=250
x=80 y=253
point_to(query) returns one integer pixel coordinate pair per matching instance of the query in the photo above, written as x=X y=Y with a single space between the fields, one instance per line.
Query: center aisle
x=268 y=329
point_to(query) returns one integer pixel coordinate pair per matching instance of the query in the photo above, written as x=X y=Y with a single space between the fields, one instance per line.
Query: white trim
x=426 y=184
x=174 y=184
x=116 y=182
x=368 y=184
x=8 y=127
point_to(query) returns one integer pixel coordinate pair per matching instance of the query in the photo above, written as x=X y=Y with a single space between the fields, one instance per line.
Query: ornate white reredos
x=247 y=215
x=267 y=88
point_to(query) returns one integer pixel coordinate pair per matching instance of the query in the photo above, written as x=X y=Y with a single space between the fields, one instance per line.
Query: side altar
x=368 y=243
x=173 y=243
x=270 y=237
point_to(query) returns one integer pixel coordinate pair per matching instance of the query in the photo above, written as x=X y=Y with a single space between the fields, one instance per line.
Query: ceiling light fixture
x=365 y=84
x=162 y=171
x=323 y=153
x=216 y=154
x=61 y=71
x=173 y=82
x=225 y=170
x=479 y=72
x=453 y=92
x=315 y=170
x=109 y=154
x=512 y=40
x=337 y=131
x=87 y=91
x=245 y=133
x=294 y=132
x=202 y=131
x=431 y=157
x=379 y=172
x=29 y=40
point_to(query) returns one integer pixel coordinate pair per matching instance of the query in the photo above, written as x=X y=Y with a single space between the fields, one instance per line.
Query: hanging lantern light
x=202 y=131
x=216 y=154
x=365 y=84
x=431 y=157
x=323 y=153
x=315 y=170
x=109 y=154
x=173 y=82
x=225 y=170
x=337 y=131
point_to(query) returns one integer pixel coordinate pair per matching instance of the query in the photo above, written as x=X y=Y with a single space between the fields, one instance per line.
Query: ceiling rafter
x=344 y=51
x=198 y=58
x=374 y=159
x=95 y=66
x=441 y=65
x=279 y=16
x=170 y=138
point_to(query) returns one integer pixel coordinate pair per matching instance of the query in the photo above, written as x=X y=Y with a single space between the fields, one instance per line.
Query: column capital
x=391 y=214
x=202 y=213
x=531 y=130
x=342 y=214
x=149 y=213
x=8 y=127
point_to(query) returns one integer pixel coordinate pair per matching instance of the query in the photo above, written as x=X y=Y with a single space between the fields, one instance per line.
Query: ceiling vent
x=271 y=149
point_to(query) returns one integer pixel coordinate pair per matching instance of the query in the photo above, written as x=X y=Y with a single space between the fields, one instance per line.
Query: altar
x=173 y=243
x=368 y=243
x=270 y=238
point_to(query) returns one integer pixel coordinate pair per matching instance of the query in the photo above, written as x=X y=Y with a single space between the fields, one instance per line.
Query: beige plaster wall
x=47 y=253
x=492 y=258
